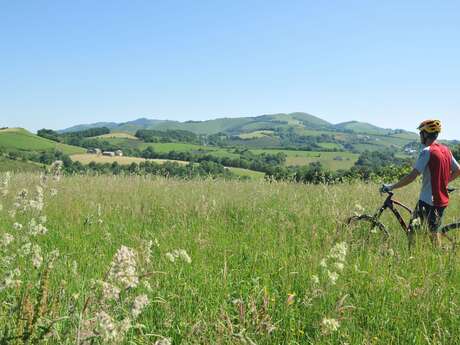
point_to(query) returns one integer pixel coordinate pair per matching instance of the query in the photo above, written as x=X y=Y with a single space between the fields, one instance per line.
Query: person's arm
x=408 y=179
x=419 y=167
x=455 y=170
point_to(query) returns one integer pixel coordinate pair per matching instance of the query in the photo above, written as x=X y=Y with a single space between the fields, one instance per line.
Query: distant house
x=119 y=153
x=94 y=151
x=108 y=153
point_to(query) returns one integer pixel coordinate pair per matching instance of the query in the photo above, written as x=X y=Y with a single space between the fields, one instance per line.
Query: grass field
x=117 y=135
x=231 y=263
x=87 y=158
x=18 y=165
x=22 y=140
x=330 y=160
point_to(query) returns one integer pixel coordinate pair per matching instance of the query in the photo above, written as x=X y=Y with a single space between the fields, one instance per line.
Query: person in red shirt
x=438 y=167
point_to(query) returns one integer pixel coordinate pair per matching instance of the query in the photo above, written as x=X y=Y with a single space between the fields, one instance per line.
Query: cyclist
x=439 y=167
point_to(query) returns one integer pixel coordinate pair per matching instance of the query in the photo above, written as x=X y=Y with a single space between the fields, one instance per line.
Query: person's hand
x=386 y=188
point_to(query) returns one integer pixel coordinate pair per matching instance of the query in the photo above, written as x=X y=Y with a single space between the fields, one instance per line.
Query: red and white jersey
x=436 y=163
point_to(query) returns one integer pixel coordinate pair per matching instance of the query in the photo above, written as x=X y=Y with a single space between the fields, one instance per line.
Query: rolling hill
x=232 y=125
x=19 y=139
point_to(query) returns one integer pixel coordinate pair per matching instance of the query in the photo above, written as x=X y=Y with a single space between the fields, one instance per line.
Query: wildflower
x=315 y=279
x=164 y=341
x=339 y=266
x=416 y=222
x=184 y=256
x=323 y=263
x=17 y=226
x=110 y=292
x=6 y=239
x=147 y=286
x=170 y=257
x=339 y=251
x=329 y=325
x=53 y=192
x=10 y=280
x=25 y=249
x=37 y=258
x=123 y=269
x=333 y=276
x=106 y=326
x=139 y=304
x=146 y=251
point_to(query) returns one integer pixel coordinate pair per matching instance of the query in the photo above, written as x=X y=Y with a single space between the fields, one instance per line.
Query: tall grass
x=263 y=268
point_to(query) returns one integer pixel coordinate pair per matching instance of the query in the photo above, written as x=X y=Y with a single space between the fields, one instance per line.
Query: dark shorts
x=429 y=215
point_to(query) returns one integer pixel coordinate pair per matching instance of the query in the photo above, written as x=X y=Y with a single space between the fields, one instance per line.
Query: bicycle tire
x=451 y=235
x=374 y=229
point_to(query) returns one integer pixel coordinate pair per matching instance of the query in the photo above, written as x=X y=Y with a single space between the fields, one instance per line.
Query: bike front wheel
x=366 y=231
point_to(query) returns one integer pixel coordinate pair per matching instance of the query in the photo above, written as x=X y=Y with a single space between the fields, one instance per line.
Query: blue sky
x=391 y=63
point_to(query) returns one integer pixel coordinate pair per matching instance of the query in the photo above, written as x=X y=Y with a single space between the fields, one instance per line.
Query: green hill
x=18 y=139
x=233 y=125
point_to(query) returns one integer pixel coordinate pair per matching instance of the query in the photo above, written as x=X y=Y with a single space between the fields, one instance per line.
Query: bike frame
x=389 y=203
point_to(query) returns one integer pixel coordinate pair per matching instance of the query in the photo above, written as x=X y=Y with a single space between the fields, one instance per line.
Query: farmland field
x=331 y=160
x=87 y=158
x=230 y=263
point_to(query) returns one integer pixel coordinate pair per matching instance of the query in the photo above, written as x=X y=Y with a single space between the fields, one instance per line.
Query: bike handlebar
x=390 y=193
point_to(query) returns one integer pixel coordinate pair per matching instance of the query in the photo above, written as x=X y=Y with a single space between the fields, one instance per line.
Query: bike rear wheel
x=451 y=232
x=366 y=231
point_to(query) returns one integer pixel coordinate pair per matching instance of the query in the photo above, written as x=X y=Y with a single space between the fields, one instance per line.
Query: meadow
x=146 y=260
x=19 y=139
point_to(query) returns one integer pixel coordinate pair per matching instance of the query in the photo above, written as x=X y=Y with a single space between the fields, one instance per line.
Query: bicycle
x=409 y=228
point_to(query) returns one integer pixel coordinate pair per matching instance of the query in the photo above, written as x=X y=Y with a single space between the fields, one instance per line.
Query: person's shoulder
x=425 y=151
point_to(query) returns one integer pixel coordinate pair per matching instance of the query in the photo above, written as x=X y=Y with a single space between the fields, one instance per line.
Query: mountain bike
x=371 y=226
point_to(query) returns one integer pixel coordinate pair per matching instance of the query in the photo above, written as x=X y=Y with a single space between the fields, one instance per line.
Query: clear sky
x=391 y=63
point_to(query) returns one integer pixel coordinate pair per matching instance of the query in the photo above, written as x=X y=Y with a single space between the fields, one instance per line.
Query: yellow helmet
x=430 y=126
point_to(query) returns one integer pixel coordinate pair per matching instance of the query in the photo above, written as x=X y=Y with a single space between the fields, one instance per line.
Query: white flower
x=25 y=249
x=123 y=268
x=333 y=276
x=53 y=192
x=164 y=341
x=37 y=258
x=315 y=279
x=106 y=326
x=6 y=239
x=323 y=263
x=184 y=256
x=170 y=257
x=339 y=251
x=110 y=292
x=179 y=253
x=329 y=325
x=17 y=226
x=10 y=280
x=339 y=266
x=139 y=304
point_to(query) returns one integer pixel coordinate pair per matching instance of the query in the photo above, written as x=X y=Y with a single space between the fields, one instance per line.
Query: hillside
x=232 y=125
x=19 y=139
x=283 y=130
